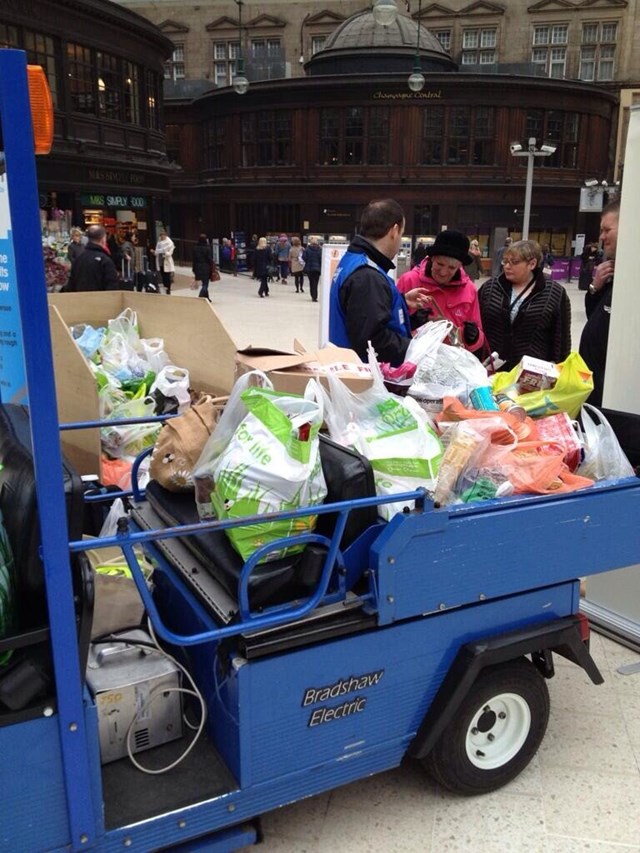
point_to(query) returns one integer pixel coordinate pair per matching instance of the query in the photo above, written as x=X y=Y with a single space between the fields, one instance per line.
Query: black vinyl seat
x=348 y=476
x=29 y=671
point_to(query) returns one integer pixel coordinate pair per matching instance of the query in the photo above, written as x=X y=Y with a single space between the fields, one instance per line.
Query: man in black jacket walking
x=93 y=269
x=597 y=303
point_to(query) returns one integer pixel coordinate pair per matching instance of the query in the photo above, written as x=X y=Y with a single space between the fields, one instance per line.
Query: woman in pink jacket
x=452 y=295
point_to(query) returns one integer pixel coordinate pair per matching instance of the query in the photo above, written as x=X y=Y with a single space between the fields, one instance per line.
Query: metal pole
x=527 y=196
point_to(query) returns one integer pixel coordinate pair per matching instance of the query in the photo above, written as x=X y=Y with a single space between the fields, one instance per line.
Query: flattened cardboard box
x=194 y=338
x=290 y=371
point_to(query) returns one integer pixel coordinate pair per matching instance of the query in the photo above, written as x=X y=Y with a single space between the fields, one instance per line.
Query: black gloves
x=420 y=317
x=470 y=332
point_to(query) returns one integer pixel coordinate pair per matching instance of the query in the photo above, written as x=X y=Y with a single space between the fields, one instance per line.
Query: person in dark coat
x=313 y=266
x=524 y=313
x=261 y=261
x=597 y=303
x=202 y=265
x=589 y=260
x=76 y=246
x=93 y=269
x=364 y=303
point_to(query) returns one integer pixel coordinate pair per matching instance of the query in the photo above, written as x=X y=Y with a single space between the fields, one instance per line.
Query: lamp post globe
x=385 y=12
x=416 y=81
x=240 y=84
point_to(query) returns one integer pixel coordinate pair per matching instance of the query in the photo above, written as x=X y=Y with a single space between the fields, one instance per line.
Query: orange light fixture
x=41 y=109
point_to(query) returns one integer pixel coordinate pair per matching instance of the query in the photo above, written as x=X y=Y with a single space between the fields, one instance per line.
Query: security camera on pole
x=531 y=152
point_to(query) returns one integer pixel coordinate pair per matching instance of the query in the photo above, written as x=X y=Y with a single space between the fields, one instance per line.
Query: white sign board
x=591 y=200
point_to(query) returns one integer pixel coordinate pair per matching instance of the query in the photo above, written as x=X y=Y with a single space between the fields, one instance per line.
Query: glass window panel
x=354 y=124
x=41 y=51
x=539 y=55
x=559 y=34
x=609 y=32
x=433 y=123
x=589 y=33
x=131 y=96
x=8 y=36
x=470 y=39
x=317 y=43
x=605 y=70
x=587 y=69
x=541 y=35
x=470 y=57
x=219 y=50
x=607 y=51
x=487 y=57
x=488 y=38
x=81 y=79
x=444 y=37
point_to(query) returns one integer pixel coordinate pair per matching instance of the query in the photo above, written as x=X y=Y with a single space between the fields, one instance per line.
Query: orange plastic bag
x=453 y=410
x=537 y=467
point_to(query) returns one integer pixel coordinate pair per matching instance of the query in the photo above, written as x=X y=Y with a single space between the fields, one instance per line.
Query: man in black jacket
x=94 y=268
x=597 y=303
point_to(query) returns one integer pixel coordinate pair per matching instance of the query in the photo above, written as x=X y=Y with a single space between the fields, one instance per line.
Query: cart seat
x=348 y=476
x=29 y=669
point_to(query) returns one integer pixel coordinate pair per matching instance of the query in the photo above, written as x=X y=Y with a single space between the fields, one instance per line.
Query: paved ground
x=581 y=793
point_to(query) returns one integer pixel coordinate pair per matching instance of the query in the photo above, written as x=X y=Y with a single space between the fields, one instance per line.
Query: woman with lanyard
x=524 y=313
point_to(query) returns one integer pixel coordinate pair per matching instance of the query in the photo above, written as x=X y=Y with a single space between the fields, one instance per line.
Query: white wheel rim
x=498 y=731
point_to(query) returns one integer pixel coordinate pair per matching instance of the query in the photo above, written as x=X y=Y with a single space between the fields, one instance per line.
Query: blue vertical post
x=35 y=339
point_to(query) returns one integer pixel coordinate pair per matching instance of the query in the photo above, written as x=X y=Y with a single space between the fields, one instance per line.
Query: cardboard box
x=290 y=371
x=194 y=338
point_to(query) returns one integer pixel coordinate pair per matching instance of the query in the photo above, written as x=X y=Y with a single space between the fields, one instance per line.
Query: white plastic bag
x=152 y=349
x=424 y=344
x=232 y=416
x=270 y=463
x=453 y=373
x=173 y=381
x=604 y=459
x=403 y=449
x=110 y=525
x=125 y=325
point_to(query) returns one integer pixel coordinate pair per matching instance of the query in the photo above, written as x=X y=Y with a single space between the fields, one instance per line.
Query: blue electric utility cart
x=430 y=636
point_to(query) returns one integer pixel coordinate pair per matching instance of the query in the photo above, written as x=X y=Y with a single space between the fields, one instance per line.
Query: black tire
x=496 y=731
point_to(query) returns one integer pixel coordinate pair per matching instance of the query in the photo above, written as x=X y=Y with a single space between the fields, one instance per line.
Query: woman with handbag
x=202 y=266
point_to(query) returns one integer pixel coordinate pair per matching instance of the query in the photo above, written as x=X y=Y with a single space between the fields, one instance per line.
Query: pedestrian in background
x=261 y=262
x=283 y=247
x=76 y=246
x=165 y=247
x=474 y=269
x=93 y=269
x=202 y=265
x=296 y=264
x=313 y=265
x=496 y=266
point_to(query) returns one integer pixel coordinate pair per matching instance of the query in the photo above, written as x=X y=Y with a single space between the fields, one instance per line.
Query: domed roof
x=361 y=44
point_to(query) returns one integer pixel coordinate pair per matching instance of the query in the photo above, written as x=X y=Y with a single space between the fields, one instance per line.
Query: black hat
x=451 y=244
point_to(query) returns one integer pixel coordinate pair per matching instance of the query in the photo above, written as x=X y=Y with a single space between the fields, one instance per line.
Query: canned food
x=506 y=404
x=482 y=398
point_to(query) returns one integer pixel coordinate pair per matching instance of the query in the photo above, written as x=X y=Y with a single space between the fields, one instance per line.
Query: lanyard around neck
x=514 y=303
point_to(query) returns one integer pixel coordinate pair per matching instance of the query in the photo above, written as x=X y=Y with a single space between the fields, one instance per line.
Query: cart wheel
x=496 y=732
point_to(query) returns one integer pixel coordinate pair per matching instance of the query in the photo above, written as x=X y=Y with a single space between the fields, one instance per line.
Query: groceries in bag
x=396 y=437
x=263 y=457
x=571 y=389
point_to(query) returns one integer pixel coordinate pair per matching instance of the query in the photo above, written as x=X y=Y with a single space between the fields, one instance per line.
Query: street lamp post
x=240 y=82
x=416 y=78
x=531 y=152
